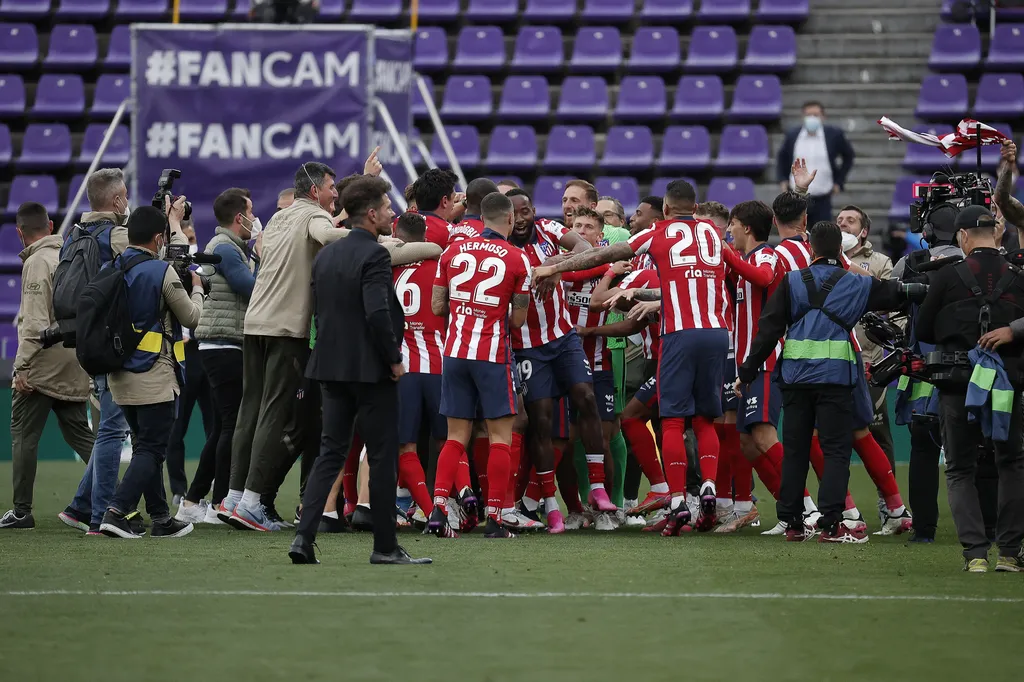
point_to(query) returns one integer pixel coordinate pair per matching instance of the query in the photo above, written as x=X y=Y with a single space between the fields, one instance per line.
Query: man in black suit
x=826 y=150
x=358 y=361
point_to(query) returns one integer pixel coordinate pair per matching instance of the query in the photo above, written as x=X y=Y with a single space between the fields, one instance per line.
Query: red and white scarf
x=964 y=138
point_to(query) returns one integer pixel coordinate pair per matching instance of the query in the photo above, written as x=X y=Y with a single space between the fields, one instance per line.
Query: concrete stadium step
x=878 y=170
x=908 y=5
x=849 y=21
x=888 y=45
x=838 y=96
x=859 y=70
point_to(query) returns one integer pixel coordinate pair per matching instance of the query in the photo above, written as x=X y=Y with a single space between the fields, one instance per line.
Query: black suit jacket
x=836 y=144
x=359 y=321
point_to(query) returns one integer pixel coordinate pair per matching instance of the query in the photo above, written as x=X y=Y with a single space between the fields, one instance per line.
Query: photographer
x=148 y=385
x=964 y=301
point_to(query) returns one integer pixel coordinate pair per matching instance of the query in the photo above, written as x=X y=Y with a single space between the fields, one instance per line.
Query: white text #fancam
x=186 y=68
x=251 y=140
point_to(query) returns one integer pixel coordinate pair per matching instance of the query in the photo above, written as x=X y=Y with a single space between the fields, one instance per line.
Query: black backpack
x=80 y=262
x=106 y=335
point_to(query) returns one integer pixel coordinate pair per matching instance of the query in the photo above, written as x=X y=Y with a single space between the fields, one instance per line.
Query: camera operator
x=963 y=302
x=148 y=386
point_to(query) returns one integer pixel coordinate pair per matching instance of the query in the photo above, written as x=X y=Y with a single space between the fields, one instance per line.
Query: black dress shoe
x=398 y=556
x=329 y=524
x=362 y=519
x=302 y=551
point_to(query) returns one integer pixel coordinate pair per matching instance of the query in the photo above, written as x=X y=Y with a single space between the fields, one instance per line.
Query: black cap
x=974 y=216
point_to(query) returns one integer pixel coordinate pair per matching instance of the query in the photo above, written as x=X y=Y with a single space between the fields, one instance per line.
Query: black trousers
x=923 y=492
x=151 y=429
x=196 y=389
x=832 y=408
x=305 y=430
x=819 y=208
x=224 y=373
x=370 y=409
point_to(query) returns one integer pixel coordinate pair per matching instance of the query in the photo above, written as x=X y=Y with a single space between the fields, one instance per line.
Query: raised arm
x=599 y=255
x=1011 y=209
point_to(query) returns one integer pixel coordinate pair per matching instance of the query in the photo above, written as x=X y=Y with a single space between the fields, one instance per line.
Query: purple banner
x=392 y=85
x=244 y=106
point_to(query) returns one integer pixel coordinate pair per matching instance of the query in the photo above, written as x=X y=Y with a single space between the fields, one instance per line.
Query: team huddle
x=509 y=337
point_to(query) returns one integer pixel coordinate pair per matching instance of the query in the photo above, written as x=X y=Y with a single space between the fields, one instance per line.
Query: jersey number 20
x=709 y=246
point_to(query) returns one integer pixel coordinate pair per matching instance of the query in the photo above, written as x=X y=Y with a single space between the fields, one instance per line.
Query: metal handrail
x=428 y=100
x=396 y=138
x=108 y=135
x=425 y=152
x=397 y=195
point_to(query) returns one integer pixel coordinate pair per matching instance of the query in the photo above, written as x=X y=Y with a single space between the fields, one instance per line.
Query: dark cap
x=974 y=216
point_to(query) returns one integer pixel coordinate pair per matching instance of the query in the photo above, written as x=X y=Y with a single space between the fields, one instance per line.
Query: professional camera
x=939 y=202
x=167 y=178
x=900 y=361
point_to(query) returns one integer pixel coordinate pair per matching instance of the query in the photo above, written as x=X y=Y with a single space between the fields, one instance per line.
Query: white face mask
x=123 y=216
x=812 y=124
x=255 y=227
x=850 y=241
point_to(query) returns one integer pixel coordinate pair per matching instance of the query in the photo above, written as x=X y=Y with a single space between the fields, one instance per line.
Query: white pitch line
x=517 y=595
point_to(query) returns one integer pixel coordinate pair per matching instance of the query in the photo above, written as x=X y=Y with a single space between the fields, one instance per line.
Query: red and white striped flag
x=951 y=144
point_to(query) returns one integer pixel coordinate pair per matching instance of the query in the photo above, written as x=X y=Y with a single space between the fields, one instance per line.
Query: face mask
x=255 y=227
x=850 y=241
x=193 y=249
x=812 y=124
x=122 y=217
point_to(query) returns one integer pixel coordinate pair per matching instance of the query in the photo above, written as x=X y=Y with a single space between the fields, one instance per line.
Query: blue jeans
x=100 y=477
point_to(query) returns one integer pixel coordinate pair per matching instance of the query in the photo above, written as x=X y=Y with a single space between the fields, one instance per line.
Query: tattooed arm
x=439 y=301
x=1011 y=209
x=520 y=307
x=584 y=261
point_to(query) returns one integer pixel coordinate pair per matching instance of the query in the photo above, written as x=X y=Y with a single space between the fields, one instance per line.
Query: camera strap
x=963 y=270
x=817 y=297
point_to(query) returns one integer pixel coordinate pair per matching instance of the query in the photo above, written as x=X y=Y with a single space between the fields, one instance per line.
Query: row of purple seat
x=728 y=11
x=944 y=97
x=957 y=47
x=741 y=149
x=72 y=47
x=62 y=96
x=47 y=146
x=581 y=98
x=540 y=49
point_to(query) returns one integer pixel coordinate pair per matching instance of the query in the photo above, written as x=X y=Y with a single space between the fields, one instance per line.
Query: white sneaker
x=635 y=521
x=853 y=520
x=620 y=517
x=693 y=506
x=896 y=525
x=514 y=520
x=194 y=513
x=455 y=515
x=605 y=522
x=726 y=519
x=883 y=511
x=778 y=529
x=211 y=517
x=657 y=517
x=574 y=521
x=630 y=504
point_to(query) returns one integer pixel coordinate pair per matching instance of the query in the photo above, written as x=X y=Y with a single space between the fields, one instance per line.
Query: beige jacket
x=879 y=265
x=282 y=300
x=53 y=371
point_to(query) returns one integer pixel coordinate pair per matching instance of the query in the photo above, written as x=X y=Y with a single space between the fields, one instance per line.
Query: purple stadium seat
x=439 y=11
x=990 y=155
x=59 y=96
x=570 y=148
x=480 y=49
x=628 y=148
x=538 y=49
x=72 y=46
x=419 y=109
x=87 y=10
x=742 y=148
x=699 y=98
x=512 y=148
x=1006 y=51
x=550 y=10
x=376 y=10
x=757 y=98
x=24 y=9
x=19 y=46
x=956 y=47
x=203 y=10
x=712 y=49
x=111 y=90
x=6 y=146
x=666 y=10
x=10 y=247
x=10 y=296
x=331 y=10
x=731 y=191
x=45 y=146
x=771 y=49
x=1000 y=95
x=655 y=49
x=76 y=182
x=38 y=188
x=903 y=196
x=641 y=98
x=12 y=96
x=625 y=189
x=431 y=49
x=583 y=98
x=790 y=11
x=547 y=195
x=141 y=10
x=467 y=98
x=492 y=10
x=465 y=143
x=922 y=158
x=685 y=148
x=119 y=52
x=524 y=98
x=8 y=341
x=597 y=49
x=611 y=11
x=942 y=97
x=729 y=11
x=116 y=153
x=659 y=185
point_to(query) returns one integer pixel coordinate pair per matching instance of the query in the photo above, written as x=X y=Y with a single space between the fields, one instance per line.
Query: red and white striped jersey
x=577 y=297
x=651 y=334
x=471 y=226
x=642 y=262
x=482 y=275
x=424 y=331
x=688 y=256
x=548 y=318
x=439 y=230
x=751 y=299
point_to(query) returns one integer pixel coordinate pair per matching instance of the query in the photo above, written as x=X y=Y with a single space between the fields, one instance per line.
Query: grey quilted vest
x=224 y=311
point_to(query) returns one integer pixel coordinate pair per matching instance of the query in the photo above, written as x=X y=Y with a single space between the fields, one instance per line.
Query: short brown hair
x=591 y=191
x=228 y=204
x=756 y=215
x=32 y=218
x=714 y=210
x=865 y=219
x=364 y=194
x=587 y=212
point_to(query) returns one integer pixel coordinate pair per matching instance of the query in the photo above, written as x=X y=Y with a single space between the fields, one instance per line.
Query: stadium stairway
x=893 y=41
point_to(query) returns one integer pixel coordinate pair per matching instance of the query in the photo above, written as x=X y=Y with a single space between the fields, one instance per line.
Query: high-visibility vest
x=145 y=293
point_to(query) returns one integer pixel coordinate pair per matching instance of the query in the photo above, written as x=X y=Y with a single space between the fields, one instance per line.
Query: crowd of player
x=513 y=350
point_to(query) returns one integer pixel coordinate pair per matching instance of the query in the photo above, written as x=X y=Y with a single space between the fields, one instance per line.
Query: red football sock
x=707 y=447
x=545 y=485
x=462 y=478
x=644 y=449
x=674 y=453
x=850 y=504
x=879 y=470
x=817 y=458
x=515 y=457
x=349 y=483
x=742 y=477
x=497 y=476
x=447 y=468
x=533 y=488
x=410 y=475
x=481 y=449
x=723 y=479
x=595 y=468
x=767 y=469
